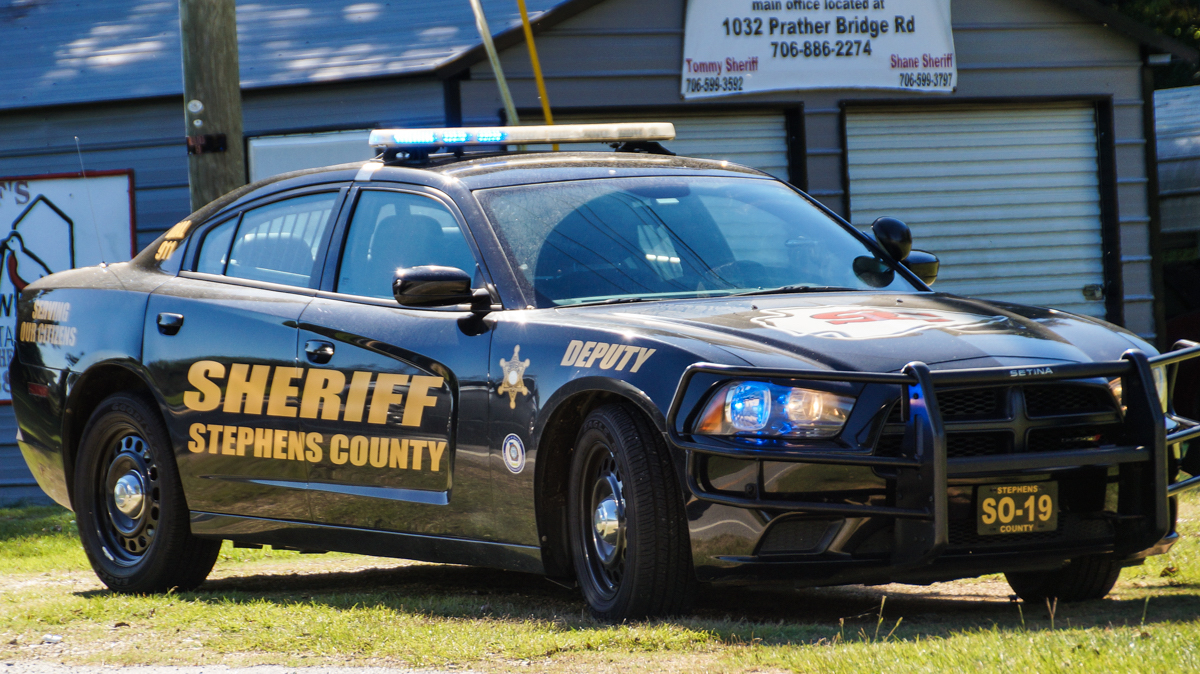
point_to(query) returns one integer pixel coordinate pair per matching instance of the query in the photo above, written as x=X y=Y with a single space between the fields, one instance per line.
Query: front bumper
x=921 y=480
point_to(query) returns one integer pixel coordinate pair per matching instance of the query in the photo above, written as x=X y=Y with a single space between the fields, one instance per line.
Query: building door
x=1007 y=196
x=754 y=138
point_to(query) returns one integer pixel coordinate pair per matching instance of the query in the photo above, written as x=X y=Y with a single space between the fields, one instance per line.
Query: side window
x=275 y=243
x=214 y=250
x=390 y=230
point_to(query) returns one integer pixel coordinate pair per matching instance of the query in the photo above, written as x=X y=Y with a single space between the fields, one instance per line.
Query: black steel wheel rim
x=602 y=510
x=127 y=498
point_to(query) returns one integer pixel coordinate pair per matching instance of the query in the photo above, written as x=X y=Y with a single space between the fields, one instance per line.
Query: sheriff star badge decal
x=514 y=377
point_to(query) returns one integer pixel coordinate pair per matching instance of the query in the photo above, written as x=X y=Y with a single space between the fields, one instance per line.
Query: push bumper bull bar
x=923 y=469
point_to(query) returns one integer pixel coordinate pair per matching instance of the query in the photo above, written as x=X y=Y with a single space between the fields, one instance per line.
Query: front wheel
x=1080 y=580
x=626 y=521
x=133 y=520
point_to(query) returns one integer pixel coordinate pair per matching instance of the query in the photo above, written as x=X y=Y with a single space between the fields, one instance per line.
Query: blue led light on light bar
x=413 y=137
x=489 y=136
x=523 y=135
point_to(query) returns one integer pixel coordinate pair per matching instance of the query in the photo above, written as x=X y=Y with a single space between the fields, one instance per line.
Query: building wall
x=148 y=136
x=1009 y=49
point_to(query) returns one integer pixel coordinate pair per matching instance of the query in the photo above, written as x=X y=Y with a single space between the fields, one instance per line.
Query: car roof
x=480 y=171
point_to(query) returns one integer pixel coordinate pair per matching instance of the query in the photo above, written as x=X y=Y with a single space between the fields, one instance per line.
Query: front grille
x=889 y=445
x=964 y=404
x=981 y=403
x=961 y=445
x=963 y=408
x=1048 y=401
x=896 y=416
x=1062 y=439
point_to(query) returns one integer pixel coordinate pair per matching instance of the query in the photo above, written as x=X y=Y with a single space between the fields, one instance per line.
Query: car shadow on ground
x=471 y=592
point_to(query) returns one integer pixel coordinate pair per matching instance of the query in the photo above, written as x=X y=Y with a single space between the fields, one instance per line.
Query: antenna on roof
x=88 y=189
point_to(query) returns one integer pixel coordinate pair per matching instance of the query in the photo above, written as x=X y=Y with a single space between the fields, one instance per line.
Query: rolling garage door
x=757 y=139
x=1007 y=196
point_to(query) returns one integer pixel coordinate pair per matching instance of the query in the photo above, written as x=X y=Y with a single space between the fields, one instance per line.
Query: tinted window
x=593 y=240
x=278 y=242
x=391 y=230
x=214 y=251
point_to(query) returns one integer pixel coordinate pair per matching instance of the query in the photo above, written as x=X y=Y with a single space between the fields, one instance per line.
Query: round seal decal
x=514 y=453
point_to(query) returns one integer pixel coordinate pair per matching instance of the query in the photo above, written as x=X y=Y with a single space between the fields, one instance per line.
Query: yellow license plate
x=1016 y=508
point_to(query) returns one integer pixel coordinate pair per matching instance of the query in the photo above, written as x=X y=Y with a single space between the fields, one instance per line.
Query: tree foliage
x=1179 y=19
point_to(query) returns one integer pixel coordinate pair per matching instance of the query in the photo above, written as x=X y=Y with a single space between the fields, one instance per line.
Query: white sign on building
x=53 y=223
x=735 y=47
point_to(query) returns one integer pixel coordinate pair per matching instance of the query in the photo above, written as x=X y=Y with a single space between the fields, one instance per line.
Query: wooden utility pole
x=212 y=98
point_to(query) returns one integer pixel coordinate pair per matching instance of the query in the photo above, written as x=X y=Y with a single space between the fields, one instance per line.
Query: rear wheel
x=629 y=538
x=1080 y=580
x=133 y=520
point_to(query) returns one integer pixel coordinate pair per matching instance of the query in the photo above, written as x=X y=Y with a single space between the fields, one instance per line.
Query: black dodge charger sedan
x=633 y=370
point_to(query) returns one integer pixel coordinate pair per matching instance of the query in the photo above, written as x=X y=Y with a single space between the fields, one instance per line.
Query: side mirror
x=896 y=240
x=925 y=265
x=893 y=236
x=433 y=286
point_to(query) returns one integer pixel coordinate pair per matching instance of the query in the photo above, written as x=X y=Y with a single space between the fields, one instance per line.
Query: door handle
x=318 y=352
x=169 y=324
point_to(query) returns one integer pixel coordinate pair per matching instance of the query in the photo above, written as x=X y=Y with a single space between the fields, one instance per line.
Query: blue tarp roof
x=60 y=52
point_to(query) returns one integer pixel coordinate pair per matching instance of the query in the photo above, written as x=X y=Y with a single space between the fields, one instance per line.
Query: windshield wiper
x=614 y=300
x=798 y=288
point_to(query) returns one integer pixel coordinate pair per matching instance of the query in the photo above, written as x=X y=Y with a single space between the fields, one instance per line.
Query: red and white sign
x=52 y=223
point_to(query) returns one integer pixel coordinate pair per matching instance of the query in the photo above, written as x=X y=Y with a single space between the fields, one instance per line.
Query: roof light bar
x=523 y=135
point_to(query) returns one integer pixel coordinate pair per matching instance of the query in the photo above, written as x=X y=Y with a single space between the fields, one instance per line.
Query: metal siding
x=757 y=139
x=70 y=52
x=1008 y=197
x=413 y=102
x=16 y=482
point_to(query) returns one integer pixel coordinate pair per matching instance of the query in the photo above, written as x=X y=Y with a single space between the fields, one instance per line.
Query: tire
x=133 y=519
x=1080 y=580
x=626 y=522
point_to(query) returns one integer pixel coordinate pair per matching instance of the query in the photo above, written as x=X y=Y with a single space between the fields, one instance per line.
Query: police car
x=631 y=370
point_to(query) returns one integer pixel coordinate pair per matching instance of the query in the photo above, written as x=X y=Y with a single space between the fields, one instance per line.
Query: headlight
x=1160 y=387
x=761 y=409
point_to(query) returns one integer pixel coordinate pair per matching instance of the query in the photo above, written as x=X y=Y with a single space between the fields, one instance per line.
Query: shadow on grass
x=733 y=614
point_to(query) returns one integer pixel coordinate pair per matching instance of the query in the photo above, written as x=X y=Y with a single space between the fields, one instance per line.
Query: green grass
x=42 y=538
x=265 y=606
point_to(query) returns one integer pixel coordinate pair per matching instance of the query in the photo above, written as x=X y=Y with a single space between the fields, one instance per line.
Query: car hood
x=870 y=332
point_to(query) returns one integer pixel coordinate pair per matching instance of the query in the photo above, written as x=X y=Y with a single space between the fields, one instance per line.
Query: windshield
x=628 y=239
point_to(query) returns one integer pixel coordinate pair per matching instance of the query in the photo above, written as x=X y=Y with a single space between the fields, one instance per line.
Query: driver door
x=396 y=397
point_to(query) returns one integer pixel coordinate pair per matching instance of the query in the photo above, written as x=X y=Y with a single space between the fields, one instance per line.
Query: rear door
x=220 y=344
x=396 y=397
